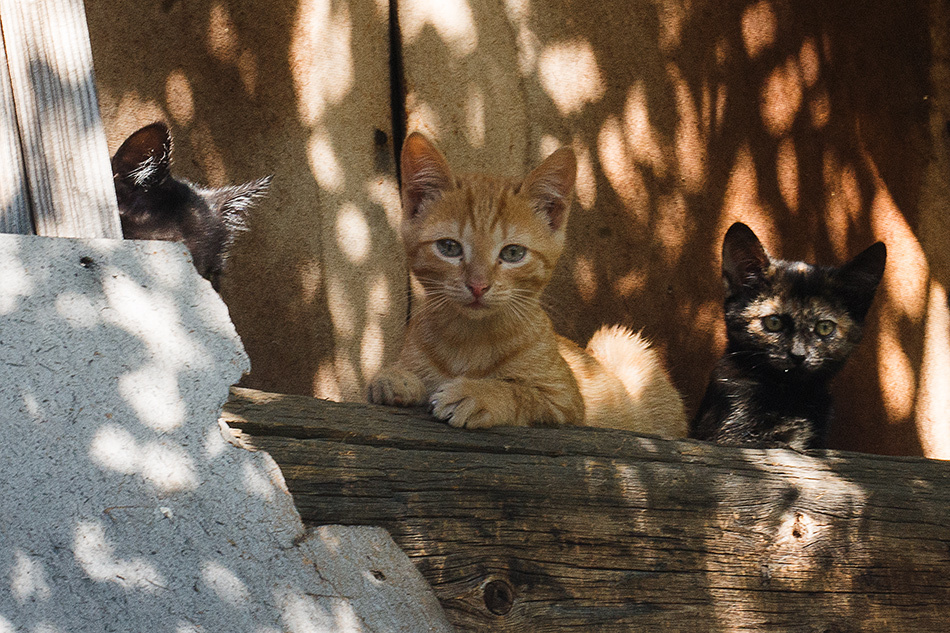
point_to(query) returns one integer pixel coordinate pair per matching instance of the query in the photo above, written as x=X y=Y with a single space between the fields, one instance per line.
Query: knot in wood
x=499 y=597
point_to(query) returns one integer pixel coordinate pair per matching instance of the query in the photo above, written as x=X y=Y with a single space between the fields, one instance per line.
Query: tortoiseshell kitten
x=790 y=327
x=153 y=205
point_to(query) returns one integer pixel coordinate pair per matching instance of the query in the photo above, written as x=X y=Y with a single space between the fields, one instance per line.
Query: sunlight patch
x=621 y=171
x=153 y=317
x=153 y=393
x=77 y=310
x=759 y=28
x=352 y=233
x=179 y=97
x=451 y=19
x=342 y=311
x=933 y=398
x=321 y=57
x=570 y=75
x=14 y=279
x=28 y=580
x=257 y=482
x=371 y=349
x=166 y=467
x=225 y=584
x=475 y=116
x=324 y=164
x=97 y=558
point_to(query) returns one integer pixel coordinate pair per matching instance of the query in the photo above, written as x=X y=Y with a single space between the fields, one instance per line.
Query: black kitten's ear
x=744 y=261
x=858 y=279
x=144 y=159
x=550 y=185
x=425 y=175
x=236 y=201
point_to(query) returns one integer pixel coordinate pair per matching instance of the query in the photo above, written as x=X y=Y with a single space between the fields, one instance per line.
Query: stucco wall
x=821 y=125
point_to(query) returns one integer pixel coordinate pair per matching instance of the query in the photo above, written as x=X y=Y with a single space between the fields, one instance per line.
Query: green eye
x=825 y=327
x=773 y=323
x=513 y=253
x=449 y=248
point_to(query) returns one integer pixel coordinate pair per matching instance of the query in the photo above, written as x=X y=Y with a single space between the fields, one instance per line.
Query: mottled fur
x=771 y=386
x=480 y=349
x=153 y=205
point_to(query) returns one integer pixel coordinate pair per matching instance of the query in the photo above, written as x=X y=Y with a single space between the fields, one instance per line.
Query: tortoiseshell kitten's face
x=794 y=319
x=790 y=327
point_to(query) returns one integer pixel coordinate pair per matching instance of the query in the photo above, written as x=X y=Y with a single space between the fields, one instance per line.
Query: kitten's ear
x=858 y=279
x=144 y=159
x=236 y=201
x=550 y=185
x=425 y=175
x=744 y=260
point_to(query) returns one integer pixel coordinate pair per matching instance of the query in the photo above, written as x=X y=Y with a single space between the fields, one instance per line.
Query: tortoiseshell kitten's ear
x=153 y=205
x=857 y=280
x=744 y=261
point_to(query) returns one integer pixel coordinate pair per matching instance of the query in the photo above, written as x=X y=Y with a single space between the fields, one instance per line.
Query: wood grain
x=534 y=530
x=14 y=196
x=57 y=112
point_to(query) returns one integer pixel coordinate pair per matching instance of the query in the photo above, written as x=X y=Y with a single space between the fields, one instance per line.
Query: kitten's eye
x=772 y=323
x=825 y=327
x=449 y=248
x=513 y=253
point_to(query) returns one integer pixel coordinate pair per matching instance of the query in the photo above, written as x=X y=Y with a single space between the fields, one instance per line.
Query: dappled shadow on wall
x=316 y=287
x=807 y=121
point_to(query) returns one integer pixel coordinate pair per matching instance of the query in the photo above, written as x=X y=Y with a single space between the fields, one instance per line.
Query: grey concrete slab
x=123 y=506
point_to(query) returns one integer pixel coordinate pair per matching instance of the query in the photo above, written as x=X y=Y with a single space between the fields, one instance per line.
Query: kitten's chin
x=476 y=309
x=802 y=372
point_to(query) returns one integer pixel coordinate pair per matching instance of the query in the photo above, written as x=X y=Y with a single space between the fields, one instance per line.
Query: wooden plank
x=14 y=198
x=64 y=144
x=594 y=529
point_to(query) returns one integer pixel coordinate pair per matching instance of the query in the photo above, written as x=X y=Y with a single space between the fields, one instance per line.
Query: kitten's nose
x=478 y=288
x=798 y=352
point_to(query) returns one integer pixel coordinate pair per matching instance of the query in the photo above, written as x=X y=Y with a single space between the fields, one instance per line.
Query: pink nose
x=478 y=289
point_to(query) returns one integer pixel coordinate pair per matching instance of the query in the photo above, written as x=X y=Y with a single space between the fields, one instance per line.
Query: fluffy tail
x=628 y=356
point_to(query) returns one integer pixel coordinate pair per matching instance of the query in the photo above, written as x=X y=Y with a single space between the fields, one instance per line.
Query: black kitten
x=153 y=205
x=790 y=327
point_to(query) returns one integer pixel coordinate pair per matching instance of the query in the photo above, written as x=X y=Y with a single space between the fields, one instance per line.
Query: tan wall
x=316 y=288
x=817 y=123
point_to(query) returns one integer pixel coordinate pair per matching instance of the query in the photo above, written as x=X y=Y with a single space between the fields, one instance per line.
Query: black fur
x=771 y=386
x=153 y=205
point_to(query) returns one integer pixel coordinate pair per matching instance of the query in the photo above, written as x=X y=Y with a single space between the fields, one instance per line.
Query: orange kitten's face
x=482 y=245
x=483 y=248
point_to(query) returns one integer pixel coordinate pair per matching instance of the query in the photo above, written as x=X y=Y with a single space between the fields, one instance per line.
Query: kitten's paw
x=471 y=404
x=396 y=386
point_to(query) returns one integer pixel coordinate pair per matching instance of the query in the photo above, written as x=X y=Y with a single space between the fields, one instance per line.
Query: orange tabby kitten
x=480 y=349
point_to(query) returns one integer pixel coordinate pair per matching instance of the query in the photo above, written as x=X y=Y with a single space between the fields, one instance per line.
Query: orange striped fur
x=480 y=349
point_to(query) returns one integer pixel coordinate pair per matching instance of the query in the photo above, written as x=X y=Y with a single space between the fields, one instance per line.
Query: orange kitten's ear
x=550 y=185
x=425 y=175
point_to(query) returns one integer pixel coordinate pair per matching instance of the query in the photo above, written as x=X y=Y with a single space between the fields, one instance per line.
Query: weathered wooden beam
x=14 y=198
x=57 y=113
x=534 y=530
